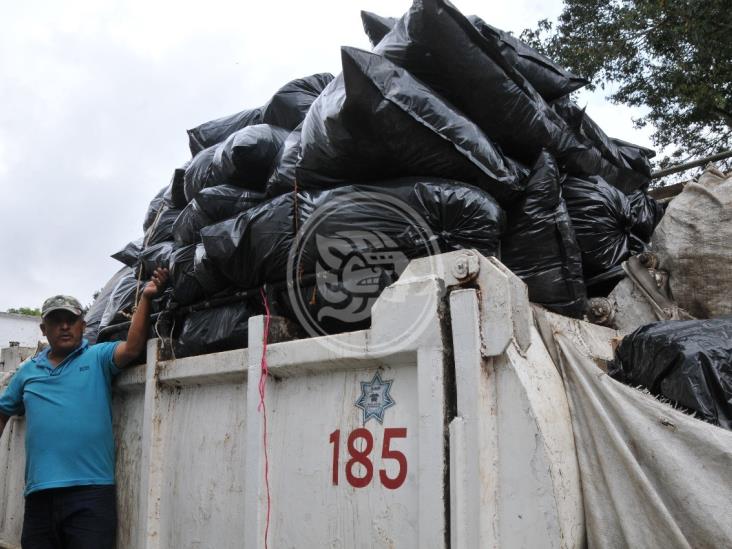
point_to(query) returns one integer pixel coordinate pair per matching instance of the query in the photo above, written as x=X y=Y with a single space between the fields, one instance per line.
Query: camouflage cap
x=61 y=302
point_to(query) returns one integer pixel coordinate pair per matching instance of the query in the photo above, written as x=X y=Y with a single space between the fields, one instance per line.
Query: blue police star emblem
x=375 y=398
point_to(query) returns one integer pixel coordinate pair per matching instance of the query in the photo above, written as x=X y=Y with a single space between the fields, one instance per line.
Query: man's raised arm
x=128 y=350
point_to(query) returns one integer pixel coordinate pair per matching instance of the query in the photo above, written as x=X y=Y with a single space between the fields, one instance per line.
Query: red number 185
x=362 y=457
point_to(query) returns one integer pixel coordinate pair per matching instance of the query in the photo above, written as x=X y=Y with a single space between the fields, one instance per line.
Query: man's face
x=64 y=330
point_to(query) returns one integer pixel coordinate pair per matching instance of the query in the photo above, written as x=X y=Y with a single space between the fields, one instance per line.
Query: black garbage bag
x=211 y=205
x=186 y=289
x=156 y=204
x=93 y=317
x=602 y=219
x=211 y=133
x=121 y=299
x=688 y=362
x=175 y=195
x=162 y=229
x=246 y=157
x=411 y=217
x=157 y=255
x=647 y=214
x=202 y=172
x=540 y=247
x=130 y=254
x=549 y=79
x=224 y=201
x=619 y=173
x=187 y=226
x=376 y=26
x=283 y=176
x=214 y=330
x=440 y=47
x=376 y=121
x=207 y=274
x=290 y=104
x=639 y=158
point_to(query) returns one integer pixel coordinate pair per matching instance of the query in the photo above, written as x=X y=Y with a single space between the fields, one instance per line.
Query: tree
x=25 y=311
x=671 y=57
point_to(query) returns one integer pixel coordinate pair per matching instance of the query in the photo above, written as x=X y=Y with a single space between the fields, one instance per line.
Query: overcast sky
x=96 y=97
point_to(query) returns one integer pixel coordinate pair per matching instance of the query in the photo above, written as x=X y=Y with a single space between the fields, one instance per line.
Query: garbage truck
x=463 y=417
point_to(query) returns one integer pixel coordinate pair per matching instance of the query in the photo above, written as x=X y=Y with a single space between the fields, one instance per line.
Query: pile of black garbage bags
x=466 y=126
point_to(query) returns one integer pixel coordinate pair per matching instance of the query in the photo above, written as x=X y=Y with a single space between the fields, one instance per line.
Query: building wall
x=21 y=328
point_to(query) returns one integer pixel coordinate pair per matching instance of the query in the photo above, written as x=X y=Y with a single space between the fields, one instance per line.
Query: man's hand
x=156 y=284
x=128 y=350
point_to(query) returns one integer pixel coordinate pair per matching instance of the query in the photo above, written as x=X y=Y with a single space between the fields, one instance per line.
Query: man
x=65 y=394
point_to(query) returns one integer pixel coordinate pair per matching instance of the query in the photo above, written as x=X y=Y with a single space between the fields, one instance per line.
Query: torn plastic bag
x=162 y=229
x=187 y=226
x=211 y=133
x=155 y=256
x=247 y=156
x=121 y=300
x=540 y=247
x=688 y=362
x=602 y=219
x=440 y=47
x=130 y=254
x=692 y=243
x=376 y=121
x=376 y=26
x=93 y=317
x=202 y=172
x=175 y=195
x=283 y=176
x=398 y=216
x=208 y=276
x=186 y=289
x=621 y=174
x=290 y=104
x=647 y=214
x=156 y=204
x=549 y=79
x=214 y=330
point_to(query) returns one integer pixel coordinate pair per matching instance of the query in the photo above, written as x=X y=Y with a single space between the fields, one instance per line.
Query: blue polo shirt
x=68 y=409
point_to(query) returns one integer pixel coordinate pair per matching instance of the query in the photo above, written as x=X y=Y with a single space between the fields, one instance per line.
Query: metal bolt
x=465 y=267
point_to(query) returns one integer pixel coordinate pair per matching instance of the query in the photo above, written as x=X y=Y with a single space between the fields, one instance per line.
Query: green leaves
x=673 y=57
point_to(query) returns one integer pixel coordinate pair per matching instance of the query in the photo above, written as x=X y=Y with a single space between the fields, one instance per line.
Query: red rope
x=264 y=373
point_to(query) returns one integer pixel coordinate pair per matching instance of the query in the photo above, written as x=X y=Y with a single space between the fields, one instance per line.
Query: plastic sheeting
x=201 y=173
x=540 y=246
x=156 y=204
x=602 y=219
x=121 y=299
x=162 y=229
x=376 y=122
x=211 y=133
x=175 y=195
x=290 y=104
x=440 y=47
x=693 y=244
x=206 y=274
x=155 y=256
x=651 y=476
x=688 y=362
x=253 y=248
